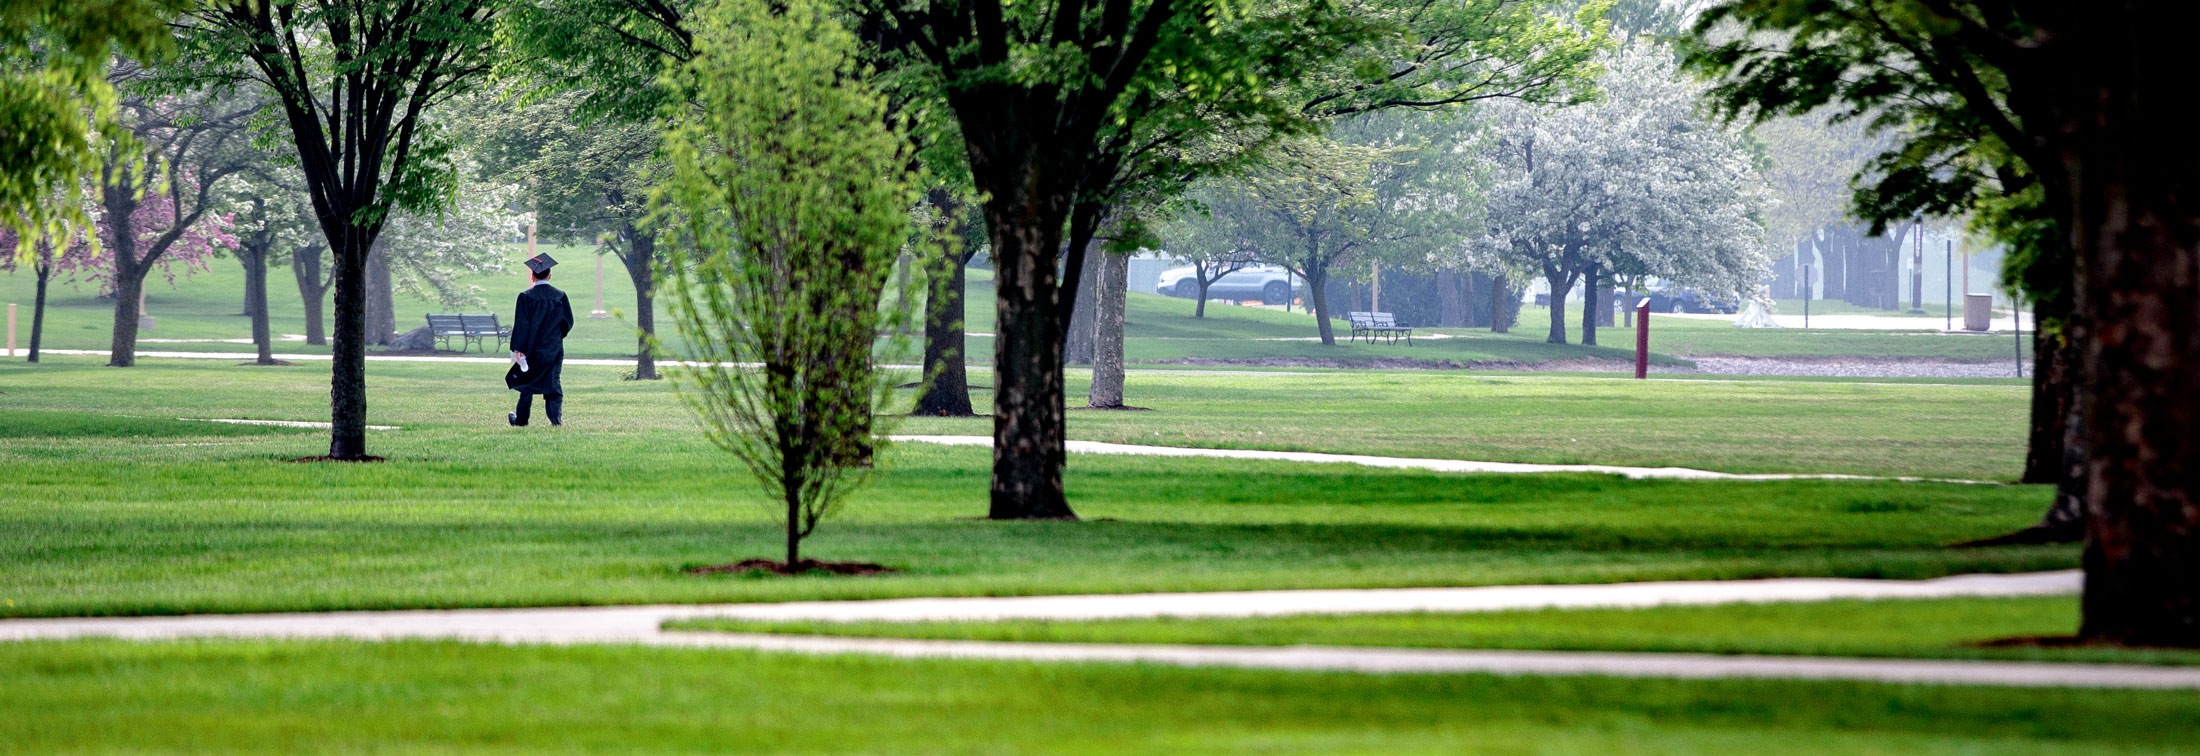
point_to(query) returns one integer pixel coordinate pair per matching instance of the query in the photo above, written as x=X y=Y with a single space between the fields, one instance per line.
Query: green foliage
x=57 y=111
x=358 y=82
x=1950 y=142
x=606 y=55
x=786 y=188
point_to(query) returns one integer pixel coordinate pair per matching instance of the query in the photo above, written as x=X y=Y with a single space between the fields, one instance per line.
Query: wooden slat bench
x=1378 y=324
x=445 y=327
x=483 y=328
x=469 y=329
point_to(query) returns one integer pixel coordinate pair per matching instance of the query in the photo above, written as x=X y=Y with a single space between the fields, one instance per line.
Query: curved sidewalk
x=642 y=625
x=1433 y=465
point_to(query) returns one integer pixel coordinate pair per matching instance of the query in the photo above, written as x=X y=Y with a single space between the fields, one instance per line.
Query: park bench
x=1378 y=324
x=483 y=328
x=468 y=329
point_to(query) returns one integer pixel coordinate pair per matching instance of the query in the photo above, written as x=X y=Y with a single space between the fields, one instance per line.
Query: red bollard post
x=1642 y=338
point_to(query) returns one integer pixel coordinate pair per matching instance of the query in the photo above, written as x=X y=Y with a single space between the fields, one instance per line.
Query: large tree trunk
x=642 y=250
x=305 y=266
x=129 y=296
x=1029 y=444
x=1500 y=314
x=1590 y=289
x=1451 y=312
x=1077 y=341
x=1107 y=331
x=255 y=301
x=2141 y=368
x=347 y=396
x=947 y=393
x=380 y=318
x=1317 y=289
x=1561 y=283
x=44 y=271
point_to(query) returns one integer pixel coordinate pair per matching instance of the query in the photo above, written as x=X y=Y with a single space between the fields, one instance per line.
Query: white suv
x=1270 y=284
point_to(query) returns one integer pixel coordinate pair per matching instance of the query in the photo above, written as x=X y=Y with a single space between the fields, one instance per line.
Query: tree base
x=1121 y=407
x=269 y=363
x=804 y=567
x=327 y=458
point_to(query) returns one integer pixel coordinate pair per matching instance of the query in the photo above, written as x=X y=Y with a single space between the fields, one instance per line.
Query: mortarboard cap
x=541 y=263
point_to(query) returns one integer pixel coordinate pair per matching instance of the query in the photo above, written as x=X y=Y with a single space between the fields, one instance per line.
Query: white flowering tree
x=1638 y=183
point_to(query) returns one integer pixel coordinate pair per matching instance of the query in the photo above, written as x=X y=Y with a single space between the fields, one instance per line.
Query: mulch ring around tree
x=327 y=458
x=804 y=567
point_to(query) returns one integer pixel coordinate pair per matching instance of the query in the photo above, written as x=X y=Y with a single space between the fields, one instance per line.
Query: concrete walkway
x=642 y=625
x=1433 y=465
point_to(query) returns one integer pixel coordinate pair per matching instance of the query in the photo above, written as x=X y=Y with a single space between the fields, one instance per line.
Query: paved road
x=642 y=625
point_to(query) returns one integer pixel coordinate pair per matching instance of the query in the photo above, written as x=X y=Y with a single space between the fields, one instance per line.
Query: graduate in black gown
x=539 y=324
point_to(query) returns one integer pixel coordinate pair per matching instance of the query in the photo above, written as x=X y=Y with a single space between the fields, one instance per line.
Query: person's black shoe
x=513 y=419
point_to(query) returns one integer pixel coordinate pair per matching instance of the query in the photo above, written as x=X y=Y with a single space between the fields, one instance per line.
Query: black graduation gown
x=540 y=321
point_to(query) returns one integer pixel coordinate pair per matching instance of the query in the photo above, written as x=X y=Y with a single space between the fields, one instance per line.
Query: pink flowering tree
x=151 y=218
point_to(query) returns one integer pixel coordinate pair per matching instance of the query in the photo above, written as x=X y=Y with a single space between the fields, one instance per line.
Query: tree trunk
x=305 y=266
x=380 y=318
x=1500 y=315
x=1833 y=264
x=347 y=395
x=1317 y=288
x=255 y=301
x=641 y=253
x=1590 y=296
x=1077 y=344
x=1560 y=284
x=129 y=296
x=44 y=270
x=1107 y=331
x=1451 y=313
x=1200 y=310
x=2140 y=366
x=1029 y=444
x=2050 y=375
x=948 y=391
x=2055 y=371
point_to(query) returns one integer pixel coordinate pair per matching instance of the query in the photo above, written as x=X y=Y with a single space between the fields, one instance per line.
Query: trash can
x=1978 y=311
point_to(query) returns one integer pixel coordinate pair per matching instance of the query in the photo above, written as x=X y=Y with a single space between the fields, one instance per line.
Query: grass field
x=1160 y=330
x=1922 y=628
x=264 y=698
x=116 y=507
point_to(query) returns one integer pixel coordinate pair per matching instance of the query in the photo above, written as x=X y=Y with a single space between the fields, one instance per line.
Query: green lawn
x=116 y=507
x=1160 y=330
x=99 y=697
x=1927 y=628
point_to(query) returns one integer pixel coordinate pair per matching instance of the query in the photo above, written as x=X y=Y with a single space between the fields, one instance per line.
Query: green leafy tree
x=356 y=82
x=57 y=112
x=786 y=189
x=1382 y=187
x=1997 y=98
